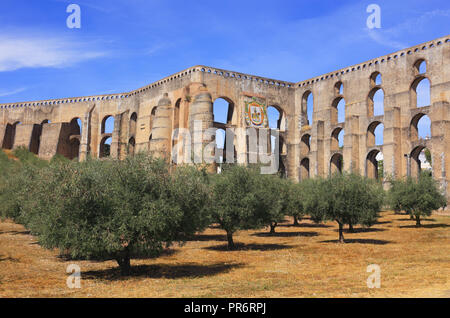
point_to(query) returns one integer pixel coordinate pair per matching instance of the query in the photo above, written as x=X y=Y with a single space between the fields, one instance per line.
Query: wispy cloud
x=388 y=36
x=33 y=51
x=13 y=92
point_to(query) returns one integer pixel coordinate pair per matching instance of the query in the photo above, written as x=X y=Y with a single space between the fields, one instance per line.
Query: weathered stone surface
x=309 y=148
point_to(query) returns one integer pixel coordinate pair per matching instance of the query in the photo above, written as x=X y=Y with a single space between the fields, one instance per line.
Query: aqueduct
x=327 y=123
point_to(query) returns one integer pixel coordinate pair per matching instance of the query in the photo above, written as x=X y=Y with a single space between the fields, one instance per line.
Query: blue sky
x=126 y=44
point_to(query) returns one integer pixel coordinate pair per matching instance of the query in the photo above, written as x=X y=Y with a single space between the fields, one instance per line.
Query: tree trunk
x=350 y=228
x=296 y=221
x=272 y=227
x=124 y=264
x=231 y=245
x=341 y=233
x=418 y=220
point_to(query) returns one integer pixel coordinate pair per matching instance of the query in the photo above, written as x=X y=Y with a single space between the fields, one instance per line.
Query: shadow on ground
x=360 y=241
x=413 y=220
x=67 y=257
x=206 y=237
x=163 y=271
x=16 y=232
x=425 y=226
x=249 y=247
x=361 y=230
x=308 y=225
x=285 y=234
x=11 y=259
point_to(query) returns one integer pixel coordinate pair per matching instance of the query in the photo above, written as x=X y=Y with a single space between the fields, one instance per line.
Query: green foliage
x=236 y=200
x=271 y=193
x=100 y=209
x=293 y=196
x=345 y=198
x=417 y=197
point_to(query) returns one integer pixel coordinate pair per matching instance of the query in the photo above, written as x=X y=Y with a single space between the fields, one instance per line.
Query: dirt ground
x=298 y=261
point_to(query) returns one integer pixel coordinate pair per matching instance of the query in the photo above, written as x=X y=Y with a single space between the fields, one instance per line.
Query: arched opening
x=276 y=118
x=374 y=165
x=307 y=109
x=421 y=92
x=339 y=89
x=71 y=146
x=305 y=145
x=420 y=67
x=375 y=134
x=336 y=163
x=421 y=161
x=107 y=125
x=131 y=146
x=133 y=125
x=74 y=147
x=337 y=139
x=220 y=148
x=376 y=102
x=75 y=127
x=105 y=147
x=152 y=117
x=375 y=79
x=223 y=109
x=420 y=127
x=304 y=169
x=10 y=136
x=338 y=110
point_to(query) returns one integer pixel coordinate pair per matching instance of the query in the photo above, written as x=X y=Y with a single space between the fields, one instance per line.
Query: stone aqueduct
x=145 y=118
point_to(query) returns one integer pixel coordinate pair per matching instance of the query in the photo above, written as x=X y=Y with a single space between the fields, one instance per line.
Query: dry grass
x=302 y=261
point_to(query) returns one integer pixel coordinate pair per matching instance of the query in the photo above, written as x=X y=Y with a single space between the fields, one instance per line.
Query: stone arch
x=280 y=122
x=304 y=169
x=337 y=139
x=305 y=145
x=339 y=89
x=374 y=164
x=375 y=79
x=375 y=132
x=133 y=125
x=10 y=135
x=73 y=148
x=105 y=147
x=219 y=105
x=307 y=108
x=375 y=102
x=420 y=67
x=107 y=124
x=338 y=110
x=421 y=159
x=336 y=163
x=420 y=92
x=420 y=127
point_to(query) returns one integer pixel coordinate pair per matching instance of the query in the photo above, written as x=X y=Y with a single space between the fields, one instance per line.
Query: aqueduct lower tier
x=313 y=114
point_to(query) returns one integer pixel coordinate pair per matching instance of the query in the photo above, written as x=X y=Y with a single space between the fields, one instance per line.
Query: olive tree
x=417 y=197
x=103 y=209
x=344 y=198
x=236 y=200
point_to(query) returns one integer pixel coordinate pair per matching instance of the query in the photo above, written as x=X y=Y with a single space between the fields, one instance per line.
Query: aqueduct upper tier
x=327 y=123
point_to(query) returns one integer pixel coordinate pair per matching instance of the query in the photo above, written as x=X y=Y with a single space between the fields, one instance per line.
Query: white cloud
x=34 y=51
x=13 y=92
